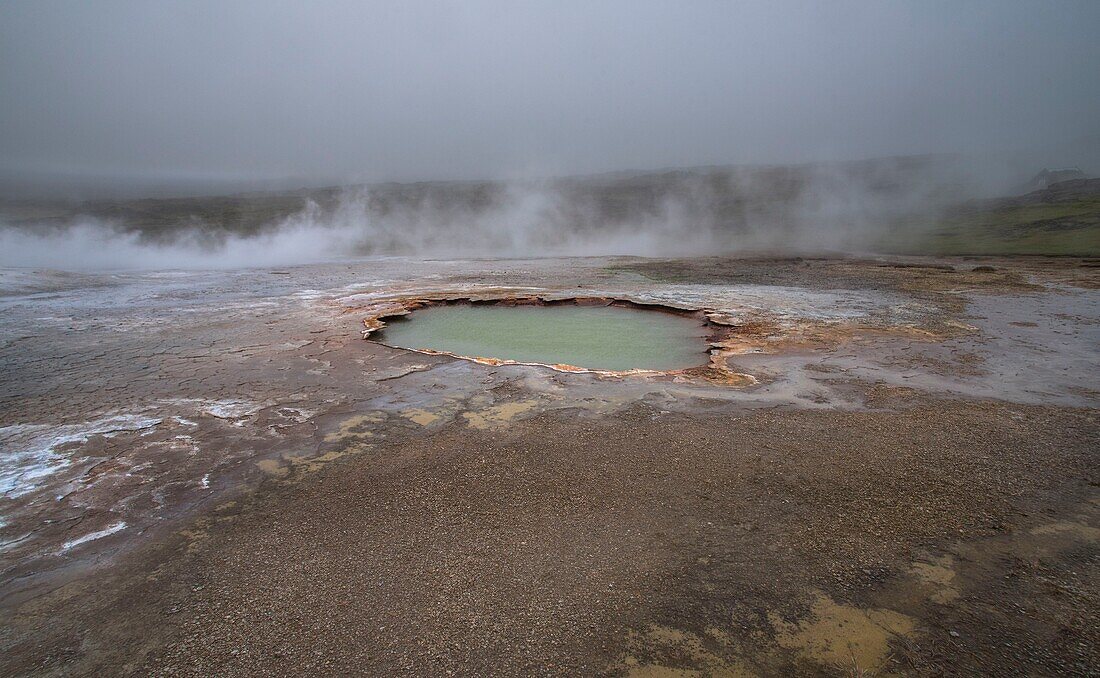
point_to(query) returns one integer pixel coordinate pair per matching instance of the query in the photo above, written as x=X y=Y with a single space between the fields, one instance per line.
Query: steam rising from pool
x=90 y=245
x=847 y=207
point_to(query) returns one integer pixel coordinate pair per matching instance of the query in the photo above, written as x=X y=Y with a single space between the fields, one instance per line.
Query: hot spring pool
x=594 y=337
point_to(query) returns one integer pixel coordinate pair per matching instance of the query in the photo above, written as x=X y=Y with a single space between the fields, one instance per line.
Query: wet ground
x=214 y=473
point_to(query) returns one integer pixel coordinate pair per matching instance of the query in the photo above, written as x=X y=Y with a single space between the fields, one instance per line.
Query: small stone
x=953 y=634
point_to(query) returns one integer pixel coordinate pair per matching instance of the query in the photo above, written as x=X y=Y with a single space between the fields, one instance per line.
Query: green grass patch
x=1065 y=228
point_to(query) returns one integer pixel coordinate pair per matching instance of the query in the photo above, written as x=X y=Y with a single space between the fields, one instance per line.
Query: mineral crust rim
x=713 y=371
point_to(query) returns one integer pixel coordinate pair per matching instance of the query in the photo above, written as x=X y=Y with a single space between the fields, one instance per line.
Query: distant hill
x=715 y=198
x=1063 y=218
x=1048 y=177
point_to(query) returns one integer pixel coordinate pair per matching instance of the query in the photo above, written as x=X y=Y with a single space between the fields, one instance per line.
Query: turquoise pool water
x=595 y=337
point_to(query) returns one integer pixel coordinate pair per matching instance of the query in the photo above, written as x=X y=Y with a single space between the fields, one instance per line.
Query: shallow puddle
x=594 y=337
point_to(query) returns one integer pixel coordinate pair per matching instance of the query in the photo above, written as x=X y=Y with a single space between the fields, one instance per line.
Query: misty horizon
x=348 y=93
x=857 y=206
x=274 y=134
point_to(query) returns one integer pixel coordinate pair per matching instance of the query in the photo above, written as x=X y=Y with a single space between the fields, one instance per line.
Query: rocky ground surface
x=213 y=473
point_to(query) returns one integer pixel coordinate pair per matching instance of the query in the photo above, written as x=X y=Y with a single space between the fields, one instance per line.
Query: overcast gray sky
x=406 y=90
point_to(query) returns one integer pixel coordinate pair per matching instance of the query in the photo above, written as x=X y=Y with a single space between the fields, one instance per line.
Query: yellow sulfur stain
x=940 y=576
x=658 y=671
x=422 y=417
x=356 y=427
x=1078 y=530
x=311 y=464
x=196 y=534
x=498 y=415
x=681 y=647
x=843 y=636
x=273 y=467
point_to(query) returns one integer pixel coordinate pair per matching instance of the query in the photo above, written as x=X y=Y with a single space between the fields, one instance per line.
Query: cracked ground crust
x=730 y=335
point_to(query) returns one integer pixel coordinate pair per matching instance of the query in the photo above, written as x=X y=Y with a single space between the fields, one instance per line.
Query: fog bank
x=793 y=209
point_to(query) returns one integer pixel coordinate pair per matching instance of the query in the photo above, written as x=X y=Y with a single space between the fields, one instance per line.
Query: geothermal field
x=635 y=339
x=756 y=466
